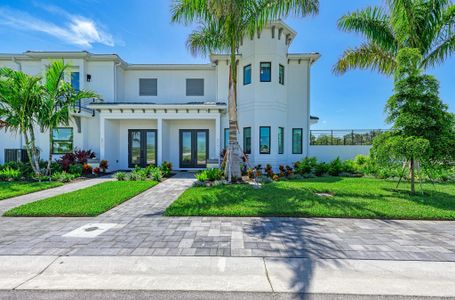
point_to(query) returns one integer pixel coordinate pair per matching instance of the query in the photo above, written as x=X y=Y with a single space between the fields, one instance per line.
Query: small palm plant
x=223 y=25
x=58 y=99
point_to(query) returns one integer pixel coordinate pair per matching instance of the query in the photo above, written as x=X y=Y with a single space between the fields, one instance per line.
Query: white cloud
x=76 y=30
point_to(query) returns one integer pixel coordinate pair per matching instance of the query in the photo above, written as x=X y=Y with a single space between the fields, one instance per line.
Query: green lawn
x=87 y=202
x=13 y=189
x=352 y=198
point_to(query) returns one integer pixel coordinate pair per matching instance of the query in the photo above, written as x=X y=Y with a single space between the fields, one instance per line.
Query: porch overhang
x=144 y=107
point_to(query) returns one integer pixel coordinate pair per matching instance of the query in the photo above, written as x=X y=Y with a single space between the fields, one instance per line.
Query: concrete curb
x=290 y=277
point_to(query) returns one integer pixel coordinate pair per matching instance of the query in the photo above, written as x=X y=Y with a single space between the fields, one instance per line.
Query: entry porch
x=188 y=136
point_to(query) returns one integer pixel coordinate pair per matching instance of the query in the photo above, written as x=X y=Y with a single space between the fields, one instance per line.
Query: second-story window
x=265 y=73
x=297 y=137
x=281 y=74
x=195 y=87
x=148 y=87
x=75 y=80
x=246 y=74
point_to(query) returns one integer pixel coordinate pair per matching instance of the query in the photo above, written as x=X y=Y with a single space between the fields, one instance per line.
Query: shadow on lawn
x=300 y=243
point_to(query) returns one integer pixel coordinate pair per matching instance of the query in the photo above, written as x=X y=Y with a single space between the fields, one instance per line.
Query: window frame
x=281 y=78
x=281 y=145
x=301 y=140
x=142 y=95
x=194 y=95
x=245 y=150
x=226 y=138
x=244 y=69
x=269 y=142
x=61 y=140
x=260 y=68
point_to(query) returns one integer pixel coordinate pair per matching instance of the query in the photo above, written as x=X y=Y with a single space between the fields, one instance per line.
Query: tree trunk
x=412 y=175
x=30 y=153
x=233 y=151
x=48 y=169
x=35 y=154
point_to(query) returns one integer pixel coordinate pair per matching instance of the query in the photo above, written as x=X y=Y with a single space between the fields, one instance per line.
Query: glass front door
x=194 y=148
x=142 y=147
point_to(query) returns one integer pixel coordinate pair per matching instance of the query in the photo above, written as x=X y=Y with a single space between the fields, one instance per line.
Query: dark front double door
x=193 y=152
x=142 y=147
x=194 y=148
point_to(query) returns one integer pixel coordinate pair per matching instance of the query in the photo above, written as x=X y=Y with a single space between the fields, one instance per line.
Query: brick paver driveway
x=142 y=230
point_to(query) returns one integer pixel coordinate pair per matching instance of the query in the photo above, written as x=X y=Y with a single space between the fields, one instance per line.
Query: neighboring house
x=178 y=112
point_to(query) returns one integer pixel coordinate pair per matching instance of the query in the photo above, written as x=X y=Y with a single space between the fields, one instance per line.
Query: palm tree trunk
x=35 y=154
x=30 y=153
x=412 y=175
x=48 y=169
x=233 y=153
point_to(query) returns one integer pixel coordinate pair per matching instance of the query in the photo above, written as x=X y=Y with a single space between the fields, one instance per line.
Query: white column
x=102 y=134
x=159 y=127
x=218 y=137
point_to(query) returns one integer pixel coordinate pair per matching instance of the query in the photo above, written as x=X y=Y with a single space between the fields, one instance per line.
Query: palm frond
x=373 y=23
x=187 y=11
x=207 y=38
x=366 y=57
x=440 y=53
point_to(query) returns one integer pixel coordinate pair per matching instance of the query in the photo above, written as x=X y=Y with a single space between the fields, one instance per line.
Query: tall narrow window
x=281 y=75
x=247 y=140
x=265 y=73
x=75 y=80
x=226 y=137
x=264 y=140
x=62 y=140
x=280 y=140
x=297 y=134
x=246 y=74
x=148 y=87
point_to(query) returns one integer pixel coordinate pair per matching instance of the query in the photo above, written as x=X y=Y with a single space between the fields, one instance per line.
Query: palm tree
x=427 y=25
x=58 y=99
x=19 y=101
x=223 y=25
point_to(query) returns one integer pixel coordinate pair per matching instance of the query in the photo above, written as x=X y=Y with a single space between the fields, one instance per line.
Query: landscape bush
x=10 y=174
x=210 y=175
x=63 y=176
x=120 y=176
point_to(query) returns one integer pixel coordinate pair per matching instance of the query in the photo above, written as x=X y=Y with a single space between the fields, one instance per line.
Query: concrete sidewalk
x=227 y=274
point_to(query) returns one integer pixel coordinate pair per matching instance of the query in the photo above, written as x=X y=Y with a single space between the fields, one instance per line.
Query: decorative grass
x=13 y=189
x=88 y=202
x=351 y=198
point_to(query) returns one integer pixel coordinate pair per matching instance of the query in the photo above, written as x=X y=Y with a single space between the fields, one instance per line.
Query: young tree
x=58 y=99
x=20 y=96
x=422 y=128
x=427 y=25
x=224 y=23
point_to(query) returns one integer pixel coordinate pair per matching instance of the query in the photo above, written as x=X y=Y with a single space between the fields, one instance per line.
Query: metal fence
x=344 y=137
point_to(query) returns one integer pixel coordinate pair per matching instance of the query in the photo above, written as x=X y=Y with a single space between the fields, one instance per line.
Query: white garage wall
x=329 y=153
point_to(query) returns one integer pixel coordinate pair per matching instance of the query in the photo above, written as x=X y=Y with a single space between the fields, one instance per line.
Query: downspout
x=115 y=80
x=19 y=68
x=308 y=109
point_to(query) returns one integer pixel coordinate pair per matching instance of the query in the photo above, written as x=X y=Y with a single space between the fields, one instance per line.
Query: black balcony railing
x=344 y=137
x=82 y=105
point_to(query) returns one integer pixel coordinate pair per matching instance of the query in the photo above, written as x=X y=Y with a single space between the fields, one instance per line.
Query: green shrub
x=321 y=169
x=120 y=176
x=76 y=169
x=201 y=176
x=63 y=176
x=10 y=174
x=335 y=167
x=305 y=166
x=138 y=175
x=210 y=175
x=156 y=174
x=348 y=166
x=166 y=168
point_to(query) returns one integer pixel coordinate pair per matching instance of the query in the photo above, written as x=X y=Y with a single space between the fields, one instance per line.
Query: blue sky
x=140 y=31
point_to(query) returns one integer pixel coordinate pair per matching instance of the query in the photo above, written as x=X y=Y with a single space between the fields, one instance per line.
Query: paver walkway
x=142 y=230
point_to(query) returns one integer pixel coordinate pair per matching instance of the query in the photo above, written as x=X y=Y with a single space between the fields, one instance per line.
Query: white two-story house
x=152 y=113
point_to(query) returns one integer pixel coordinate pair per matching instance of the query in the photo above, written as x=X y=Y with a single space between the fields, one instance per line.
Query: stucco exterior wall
x=329 y=153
